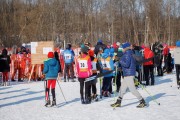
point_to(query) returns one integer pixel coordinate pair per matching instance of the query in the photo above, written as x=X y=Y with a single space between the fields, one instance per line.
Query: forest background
x=77 y=21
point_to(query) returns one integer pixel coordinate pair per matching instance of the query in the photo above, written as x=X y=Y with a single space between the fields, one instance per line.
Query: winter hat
x=125 y=45
x=91 y=53
x=105 y=54
x=84 y=49
x=67 y=46
x=99 y=41
x=178 y=43
x=50 y=55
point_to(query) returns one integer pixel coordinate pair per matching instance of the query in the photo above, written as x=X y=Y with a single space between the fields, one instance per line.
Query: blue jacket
x=128 y=64
x=51 y=68
x=105 y=55
x=68 y=56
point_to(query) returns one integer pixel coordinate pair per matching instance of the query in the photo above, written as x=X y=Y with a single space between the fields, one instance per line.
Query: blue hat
x=178 y=43
x=105 y=54
x=125 y=45
x=99 y=41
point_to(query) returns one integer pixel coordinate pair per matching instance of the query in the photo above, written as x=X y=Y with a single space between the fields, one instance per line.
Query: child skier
x=107 y=65
x=51 y=69
x=84 y=70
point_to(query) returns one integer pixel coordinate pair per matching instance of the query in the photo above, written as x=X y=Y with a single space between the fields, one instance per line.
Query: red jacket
x=148 y=54
x=166 y=51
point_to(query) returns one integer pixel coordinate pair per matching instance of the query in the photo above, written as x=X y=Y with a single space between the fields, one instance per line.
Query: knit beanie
x=91 y=53
x=50 y=55
x=125 y=45
x=84 y=49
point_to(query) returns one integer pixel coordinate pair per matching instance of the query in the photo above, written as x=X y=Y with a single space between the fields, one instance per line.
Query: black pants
x=107 y=83
x=68 y=68
x=118 y=82
x=149 y=70
x=93 y=86
x=159 y=69
x=87 y=88
x=177 y=73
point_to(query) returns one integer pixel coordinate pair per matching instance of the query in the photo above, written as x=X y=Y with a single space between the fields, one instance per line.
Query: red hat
x=91 y=53
x=50 y=55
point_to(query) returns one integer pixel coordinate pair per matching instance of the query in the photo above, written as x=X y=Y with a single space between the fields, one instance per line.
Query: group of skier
x=118 y=64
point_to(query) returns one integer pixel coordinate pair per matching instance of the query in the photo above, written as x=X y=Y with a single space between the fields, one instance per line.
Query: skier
x=68 y=59
x=129 y=70
x=84 y=70
x=107 y=65
x=99 y=46
x=51 y=69
x=95 y=69
x=177 y=61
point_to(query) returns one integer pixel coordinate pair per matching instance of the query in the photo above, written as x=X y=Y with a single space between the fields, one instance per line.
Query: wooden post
x=31 y=73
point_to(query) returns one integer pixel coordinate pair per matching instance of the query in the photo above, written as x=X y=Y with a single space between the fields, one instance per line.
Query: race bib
x=67 y=56
x=83 y=64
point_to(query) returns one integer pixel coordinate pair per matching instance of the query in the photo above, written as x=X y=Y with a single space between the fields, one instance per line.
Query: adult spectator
x=4 y=66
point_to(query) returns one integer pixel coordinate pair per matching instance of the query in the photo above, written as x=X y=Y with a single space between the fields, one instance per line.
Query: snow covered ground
x=26 y=102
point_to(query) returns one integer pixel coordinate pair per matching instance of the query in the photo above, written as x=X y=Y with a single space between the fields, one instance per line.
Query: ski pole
x=149 y=94
x=45 y=89
x=61 y=91
x=115 y=84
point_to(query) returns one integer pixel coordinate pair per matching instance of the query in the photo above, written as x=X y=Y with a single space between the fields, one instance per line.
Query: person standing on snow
x=84 y=70
x=69 y=60
x=129 y=70
x=51 y=69
x=148 y=66
x=107 y=65
x=177 y=61
x=4 y=66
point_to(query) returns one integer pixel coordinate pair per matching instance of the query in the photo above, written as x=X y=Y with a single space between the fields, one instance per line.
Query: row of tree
x=76 y=21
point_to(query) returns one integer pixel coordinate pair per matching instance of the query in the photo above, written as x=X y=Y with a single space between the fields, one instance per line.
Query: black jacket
x=4 y=63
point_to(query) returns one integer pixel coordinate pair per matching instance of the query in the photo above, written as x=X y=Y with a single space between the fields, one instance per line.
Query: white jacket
x=177 y=55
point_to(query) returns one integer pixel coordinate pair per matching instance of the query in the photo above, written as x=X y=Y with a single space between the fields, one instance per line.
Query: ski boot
x=88 y=100
x=73 y=80
x=94 y=97
x=117 y=103
x=13 y=80
x=48 y=102
x=53 y=103
x=142 y=104
x=107 y=94
x=82 y=101
x=19 y=80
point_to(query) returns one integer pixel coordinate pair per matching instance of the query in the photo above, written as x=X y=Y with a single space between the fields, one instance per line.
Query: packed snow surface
x=25 y=101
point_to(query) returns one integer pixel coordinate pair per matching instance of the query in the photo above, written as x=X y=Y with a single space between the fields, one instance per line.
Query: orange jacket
x=148 y=54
